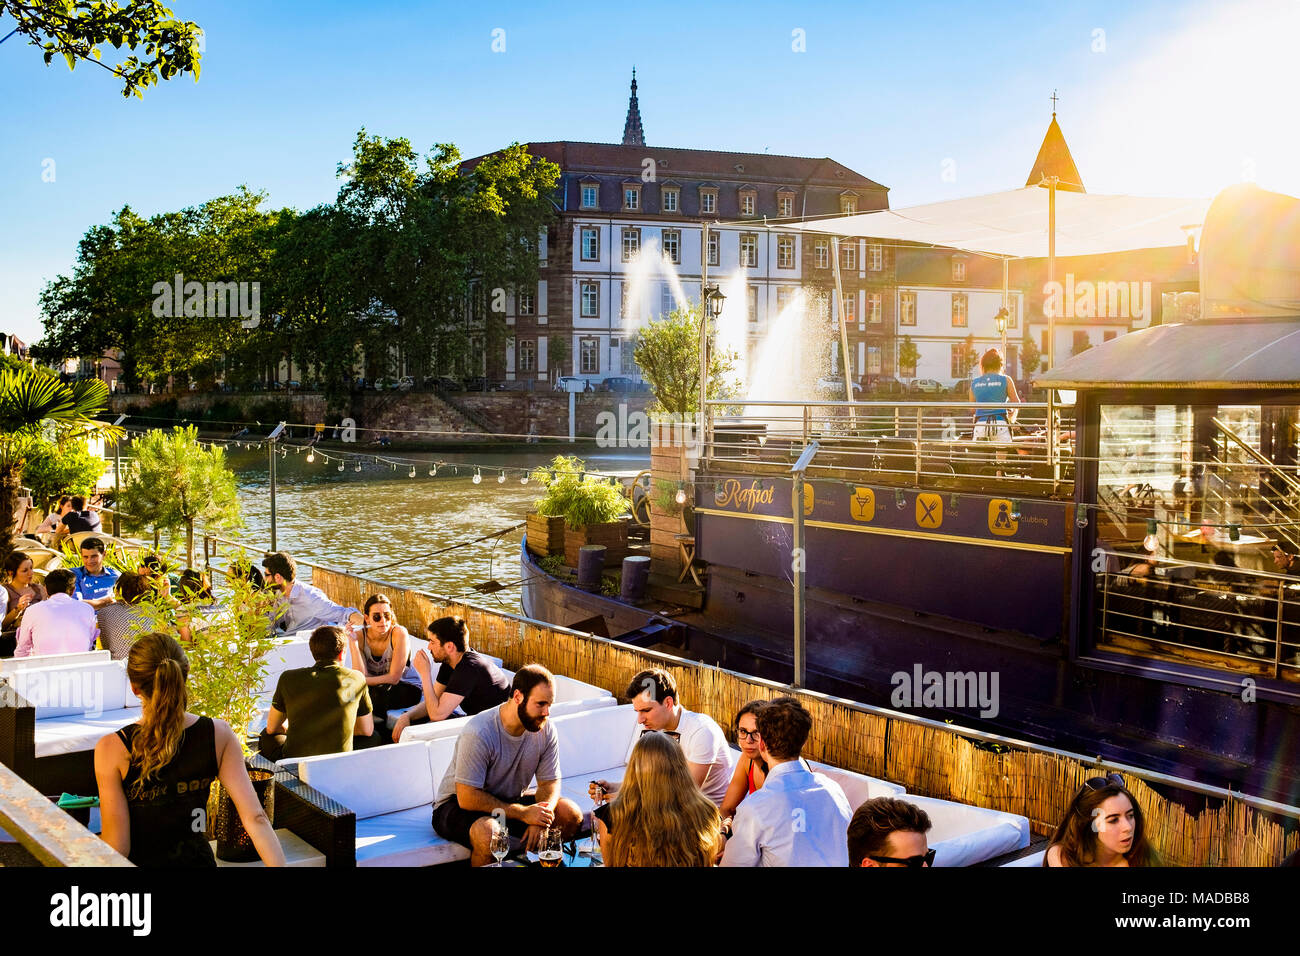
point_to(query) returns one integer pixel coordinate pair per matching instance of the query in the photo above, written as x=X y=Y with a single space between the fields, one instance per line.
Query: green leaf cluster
x=54 y=469
x=580 y=499
x=667 y=351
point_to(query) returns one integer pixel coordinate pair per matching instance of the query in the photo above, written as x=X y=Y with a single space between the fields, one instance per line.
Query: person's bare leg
x=480 y=838
x=568 y=817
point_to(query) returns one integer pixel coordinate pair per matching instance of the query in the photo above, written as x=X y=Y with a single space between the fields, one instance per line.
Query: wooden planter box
x=613 y=535
x=545 y=535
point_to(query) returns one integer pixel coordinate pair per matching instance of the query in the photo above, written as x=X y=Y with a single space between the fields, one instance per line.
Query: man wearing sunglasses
x=886 y=831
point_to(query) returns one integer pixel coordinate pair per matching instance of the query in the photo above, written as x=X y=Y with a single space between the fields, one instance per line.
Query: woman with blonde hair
x=154 y=775
x=659 y=817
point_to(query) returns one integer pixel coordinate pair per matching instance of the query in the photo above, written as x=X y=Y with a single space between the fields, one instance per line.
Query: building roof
x=1054 y=159
x=1014 y=223
x=579 y=157
x=1252 y=353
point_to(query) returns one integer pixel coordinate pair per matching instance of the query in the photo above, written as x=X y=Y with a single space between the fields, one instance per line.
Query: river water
x=380 y=516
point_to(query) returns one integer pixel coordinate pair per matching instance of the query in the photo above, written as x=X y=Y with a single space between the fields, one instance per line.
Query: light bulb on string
x=433 y=471
x=340 y=466
x=357 y=466
x=719 y=495
x=311 y=456
x=680 y=497
x=523 y=479
x=501 y=477
x=412 y=471
x=1151 y=541
x=1081 y=516
x=478 y=477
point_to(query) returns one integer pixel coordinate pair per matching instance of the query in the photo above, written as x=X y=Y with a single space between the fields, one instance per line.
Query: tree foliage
x=668 y=353
x=908 y=355
x=176 y=483
x=78 y=29
x=54 y=469
x=1030 y=357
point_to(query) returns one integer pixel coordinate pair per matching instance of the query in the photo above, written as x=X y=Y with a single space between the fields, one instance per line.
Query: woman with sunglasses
x=381 y=649
x=1103 y=827
x=750 y=770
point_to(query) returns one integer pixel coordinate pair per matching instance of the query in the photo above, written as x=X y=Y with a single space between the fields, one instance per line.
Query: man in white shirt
x=303 y=606
x=654 y=697
x=797 y=818
x=59 y=625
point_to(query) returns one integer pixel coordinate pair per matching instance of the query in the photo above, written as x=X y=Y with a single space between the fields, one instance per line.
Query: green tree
x=77 y=29
x=176 y=482
x=908 y=356
x=557 y=353
x=36 y=408
x=1030 y=357
x=68 y=467
x=668 y=353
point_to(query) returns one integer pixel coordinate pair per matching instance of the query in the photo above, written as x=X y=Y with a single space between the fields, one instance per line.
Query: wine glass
x=592 y=850
x=551 y=850
x=500 y=844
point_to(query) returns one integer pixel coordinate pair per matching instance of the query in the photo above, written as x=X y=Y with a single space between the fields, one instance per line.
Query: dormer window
x=591 y=195
x=958 y=269
x=748 y=200
x=848 y=202
x=631 y=197
x=672 y=199
x=785 y=204
x=708 y=200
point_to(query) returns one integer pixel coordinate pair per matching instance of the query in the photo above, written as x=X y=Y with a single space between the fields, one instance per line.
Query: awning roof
x=1014 y=223
x=1262 y=354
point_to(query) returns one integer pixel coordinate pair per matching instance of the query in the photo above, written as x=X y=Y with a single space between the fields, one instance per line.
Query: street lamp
x=716 y=301
x=1000 y=320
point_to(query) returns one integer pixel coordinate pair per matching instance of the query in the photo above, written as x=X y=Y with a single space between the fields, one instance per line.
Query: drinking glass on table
x=592 y=849
x=500 y=844
x=551 y=849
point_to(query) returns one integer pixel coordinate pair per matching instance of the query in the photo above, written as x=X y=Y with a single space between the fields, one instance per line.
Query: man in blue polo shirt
x=95 y=580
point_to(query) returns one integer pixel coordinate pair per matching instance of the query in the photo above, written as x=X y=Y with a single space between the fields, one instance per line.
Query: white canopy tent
x=1013 y=224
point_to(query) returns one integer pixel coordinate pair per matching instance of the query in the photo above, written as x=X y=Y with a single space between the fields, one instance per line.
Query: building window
x=708 y=200
x=849 y=254
x=873 y=360
x=1081 y=341
x=874 y=307
x=666 y=300
x=526 y=355
x=631 y=244
x=785 y=205
x=671 y=198
x=751 y=302
x=822 y=253
x=631 y=197
x=749 y=250
x=748 y=202
x=1012 y=317
x=526 y=303
x=673 y=246
x=1107 y=336
x=630 y=310
x=959 y=310
x=590 y=195
x=590 y=300
x=783 y=296
x=850 y=308
x=959 y=367
x=848 y=204
x=907 y=308
x=589 y=356
x=785 y=252
x=590 y=244
x=958 y=270
x=875 y=257
x=615 y=355
x=714 y=247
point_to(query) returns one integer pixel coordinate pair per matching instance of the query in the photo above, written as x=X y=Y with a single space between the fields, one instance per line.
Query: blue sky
x=1161 y=98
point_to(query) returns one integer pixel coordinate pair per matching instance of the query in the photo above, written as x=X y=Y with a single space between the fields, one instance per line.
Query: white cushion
x=66 y=735
x=567 y=689
x=283 y=657
x=11 y=664
x=859 y=788
x=595 y=740
x=94 y=688
x=964 y=835
x=404 y=838
x=1034 y=859
x=374 y=781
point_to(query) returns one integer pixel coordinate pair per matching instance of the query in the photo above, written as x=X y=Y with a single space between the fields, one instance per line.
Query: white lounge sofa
x=391 y=790
x=571 y=697
x=9 y=665
x=1034 y=859
x=76 y=703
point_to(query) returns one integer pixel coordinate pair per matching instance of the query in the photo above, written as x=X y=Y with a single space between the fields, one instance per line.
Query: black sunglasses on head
x=911 y=862
x=1101 y=783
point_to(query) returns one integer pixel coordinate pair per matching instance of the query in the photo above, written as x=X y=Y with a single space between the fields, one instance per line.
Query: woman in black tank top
x=154 y=775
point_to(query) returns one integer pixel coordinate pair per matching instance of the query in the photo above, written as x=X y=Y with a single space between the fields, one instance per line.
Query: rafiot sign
x=1085 y=299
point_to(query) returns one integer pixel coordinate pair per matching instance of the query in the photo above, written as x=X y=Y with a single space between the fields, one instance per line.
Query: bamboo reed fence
x=929 y=759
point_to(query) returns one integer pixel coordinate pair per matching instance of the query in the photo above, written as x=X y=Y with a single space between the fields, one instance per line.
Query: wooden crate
x=613 y=535
x=545 y=535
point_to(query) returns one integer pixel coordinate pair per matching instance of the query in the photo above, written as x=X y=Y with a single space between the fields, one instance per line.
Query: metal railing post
x=919 y=414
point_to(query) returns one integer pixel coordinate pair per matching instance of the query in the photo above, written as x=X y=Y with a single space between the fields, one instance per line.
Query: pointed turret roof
x=633 y=135
x=1054 y=159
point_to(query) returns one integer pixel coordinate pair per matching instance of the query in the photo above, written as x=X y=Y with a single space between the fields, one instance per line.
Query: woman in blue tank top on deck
x=992 y=424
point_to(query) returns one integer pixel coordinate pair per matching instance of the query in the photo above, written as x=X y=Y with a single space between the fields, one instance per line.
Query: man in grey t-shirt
x=497 y=755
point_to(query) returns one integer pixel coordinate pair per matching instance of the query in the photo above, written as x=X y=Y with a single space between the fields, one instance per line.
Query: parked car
x=443 y=383
x=926 y=386
x=571 y=383
x=480 y=384
x=886 y=385
x=834 y=386
x=293 y=384
x=618 y=383
x=960 y=390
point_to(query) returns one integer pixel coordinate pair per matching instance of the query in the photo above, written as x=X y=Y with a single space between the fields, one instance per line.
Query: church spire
x=633 y=135
x=1054 y=159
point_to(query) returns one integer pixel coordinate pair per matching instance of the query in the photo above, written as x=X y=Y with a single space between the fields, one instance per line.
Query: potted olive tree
x=594 y=509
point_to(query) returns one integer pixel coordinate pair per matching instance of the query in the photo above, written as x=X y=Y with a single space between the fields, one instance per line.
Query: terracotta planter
x=545 y=535
x=613 y=535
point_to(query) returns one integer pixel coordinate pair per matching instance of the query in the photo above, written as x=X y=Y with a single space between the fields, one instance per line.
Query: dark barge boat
x=1107 y=575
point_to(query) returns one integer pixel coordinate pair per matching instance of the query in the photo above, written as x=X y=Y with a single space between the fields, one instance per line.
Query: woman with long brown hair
x=1103 y=827
x=659 y=817
x=154 y=775
x=751 y=770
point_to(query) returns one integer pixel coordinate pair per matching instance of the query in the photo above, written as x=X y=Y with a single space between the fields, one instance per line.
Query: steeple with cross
x=633 y=135
x=1054 y=99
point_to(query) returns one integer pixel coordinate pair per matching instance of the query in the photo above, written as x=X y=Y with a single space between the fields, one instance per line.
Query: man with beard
x=497 y=755
x=465 y=679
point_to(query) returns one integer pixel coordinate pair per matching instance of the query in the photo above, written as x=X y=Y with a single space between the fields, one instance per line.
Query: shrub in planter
x=593 y=509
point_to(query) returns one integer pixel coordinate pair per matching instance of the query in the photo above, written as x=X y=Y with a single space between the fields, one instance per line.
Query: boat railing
x=1029 y=443
x=1237 y=619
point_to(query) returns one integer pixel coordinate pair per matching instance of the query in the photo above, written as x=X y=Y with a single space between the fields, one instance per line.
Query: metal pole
x=271 y=452
x=1006 y=269
x=704 y=323
x=1051 y=267
x=798 y=560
